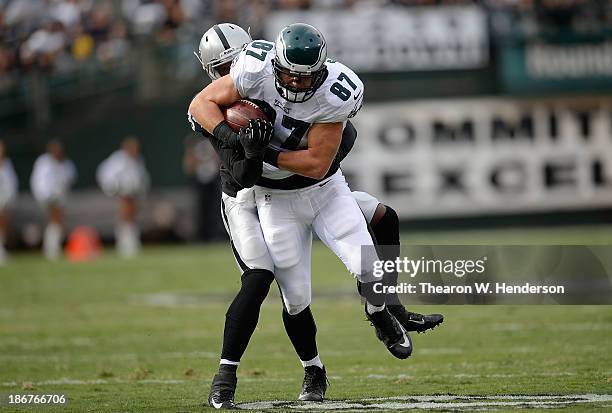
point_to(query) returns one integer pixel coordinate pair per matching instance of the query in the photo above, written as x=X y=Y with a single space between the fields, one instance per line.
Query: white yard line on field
x=46 y=343
x=75 y=382
x=436 y=402
x=470 y=376
x=69 y=381
x=55 y=358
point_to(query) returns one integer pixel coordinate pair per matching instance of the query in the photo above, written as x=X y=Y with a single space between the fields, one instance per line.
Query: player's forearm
x=206 y=112
x=305 y=162
x=206 y=105
x=314 y=162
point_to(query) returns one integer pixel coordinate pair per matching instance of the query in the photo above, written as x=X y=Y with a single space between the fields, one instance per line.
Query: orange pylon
x=83 y=244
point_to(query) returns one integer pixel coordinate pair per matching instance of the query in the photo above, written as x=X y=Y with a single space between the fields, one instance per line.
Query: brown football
x=239 y=113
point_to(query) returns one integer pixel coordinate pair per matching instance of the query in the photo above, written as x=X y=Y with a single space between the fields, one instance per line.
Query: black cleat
x=415 y=321
x=391 y=333
x=222 y=390
x=315 y=384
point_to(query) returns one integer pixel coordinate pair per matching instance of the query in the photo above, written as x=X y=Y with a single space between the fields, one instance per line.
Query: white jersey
x=8 y=182
x=120 y=174
x=51 y=179
x=337 y=99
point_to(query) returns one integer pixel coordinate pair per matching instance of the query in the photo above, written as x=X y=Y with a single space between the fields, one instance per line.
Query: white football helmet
x=301 y=53
x=219 y=45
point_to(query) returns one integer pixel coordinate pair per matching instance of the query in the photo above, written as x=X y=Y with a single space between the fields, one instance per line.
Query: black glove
x=226 y=136
x=255 y=138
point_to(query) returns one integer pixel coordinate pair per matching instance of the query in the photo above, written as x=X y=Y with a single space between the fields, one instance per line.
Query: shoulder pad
x=252 y=65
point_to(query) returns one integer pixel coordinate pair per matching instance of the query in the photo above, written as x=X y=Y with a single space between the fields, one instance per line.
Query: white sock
x=127 y=239
x=233 y=363
x=52 y=241
x=314 y=362
x=371 y=308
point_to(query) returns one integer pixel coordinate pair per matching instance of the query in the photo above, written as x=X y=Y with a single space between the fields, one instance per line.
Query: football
x=239 y=113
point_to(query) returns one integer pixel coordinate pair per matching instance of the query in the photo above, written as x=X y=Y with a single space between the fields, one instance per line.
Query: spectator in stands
x=82 y=44
x=123 y=175
x=116 y=47
x=174 y=19
x=44 y=46
x=8 y=190
x=51 y=179
x=99 y=23
x=294 y=4
x=67 y=12
x=145 y=17
x=7 y=64
x=69 y=33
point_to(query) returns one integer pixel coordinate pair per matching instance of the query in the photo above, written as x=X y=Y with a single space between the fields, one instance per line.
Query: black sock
x=243 y=313
x=369 y=292
x=302 y=332
x=386 y=232
x=228 y=368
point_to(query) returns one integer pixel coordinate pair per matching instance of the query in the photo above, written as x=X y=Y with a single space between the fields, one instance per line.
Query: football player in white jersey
x=123 y=175
x=308 y=127
x=51 y=179
x=217 y=44
x=8 y=190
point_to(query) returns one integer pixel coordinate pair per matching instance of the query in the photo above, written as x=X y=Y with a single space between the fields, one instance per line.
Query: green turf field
x=143 y=335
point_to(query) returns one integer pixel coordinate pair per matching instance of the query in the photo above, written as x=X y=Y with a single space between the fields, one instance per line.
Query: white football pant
x=288 y=219
x=241 y=221
x=242 y=224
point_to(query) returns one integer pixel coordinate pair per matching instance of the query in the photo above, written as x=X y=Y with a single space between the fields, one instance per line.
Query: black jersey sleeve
x=349 y=135
x=244 y=171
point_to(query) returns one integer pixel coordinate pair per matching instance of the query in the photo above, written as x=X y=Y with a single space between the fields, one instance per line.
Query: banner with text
x=397 y=38
x=567 y=64
x=452 y=158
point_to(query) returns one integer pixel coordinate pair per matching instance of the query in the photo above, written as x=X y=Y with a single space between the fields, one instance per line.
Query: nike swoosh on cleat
x=406 y=342
x=215 y=404
x=418 y=322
